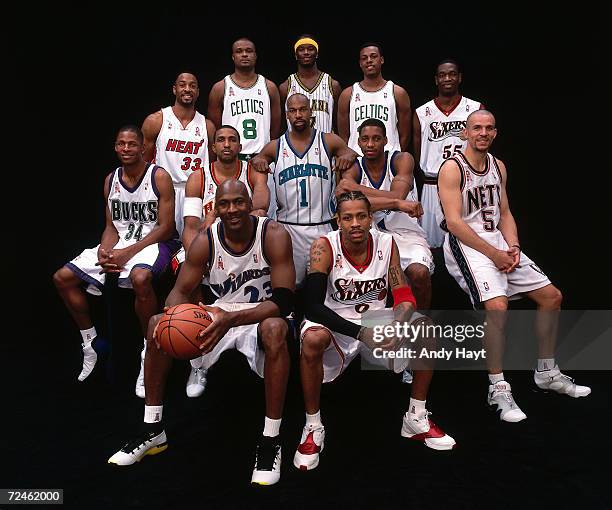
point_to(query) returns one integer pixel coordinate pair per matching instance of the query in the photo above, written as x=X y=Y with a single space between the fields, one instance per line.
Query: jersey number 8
x=249 y=127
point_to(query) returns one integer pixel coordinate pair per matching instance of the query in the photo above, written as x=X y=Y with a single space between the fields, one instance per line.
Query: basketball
x=178 y=329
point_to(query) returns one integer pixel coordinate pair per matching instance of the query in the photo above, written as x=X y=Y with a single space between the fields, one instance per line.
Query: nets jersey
x=134 y=211
x=321 y=99
x=480 y=194
x=440 y=132
x=373 y=105
x=304 y=183
x=387 y=220
x=239 y=277
x=210 y=183
x=181 y=151
x=248 y=110
x=350 y=291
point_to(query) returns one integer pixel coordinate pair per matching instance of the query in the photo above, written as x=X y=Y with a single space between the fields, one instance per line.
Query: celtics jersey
x=321 y=99
x=373 y=105
x=248 y=110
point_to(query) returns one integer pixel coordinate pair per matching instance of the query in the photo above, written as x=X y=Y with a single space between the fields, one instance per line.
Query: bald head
x=231 y=187
x=480 y=115
x=297 y=100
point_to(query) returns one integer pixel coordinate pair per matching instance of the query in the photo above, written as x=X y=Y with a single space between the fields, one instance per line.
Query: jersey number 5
x=446 y=150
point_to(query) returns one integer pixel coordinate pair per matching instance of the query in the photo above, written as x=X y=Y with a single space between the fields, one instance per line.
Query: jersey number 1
x=303 y=201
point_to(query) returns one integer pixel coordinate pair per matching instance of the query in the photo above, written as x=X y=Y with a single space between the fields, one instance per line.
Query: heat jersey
x=321 y=99
x=210 y=183
x=440 y=132
x=248 y=110
x=351 y=291
x=304 y=182
x=181 y=151
x=239 y=277
x=373 y=105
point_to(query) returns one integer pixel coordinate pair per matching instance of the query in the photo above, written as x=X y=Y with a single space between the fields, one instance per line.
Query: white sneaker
x=500 y=395
x=90 y=357
x=149 y=443
x=267 y=461
x=140 y=386
x=421 y=428
x=311 y=445
x=196 y=383
x=554 y=380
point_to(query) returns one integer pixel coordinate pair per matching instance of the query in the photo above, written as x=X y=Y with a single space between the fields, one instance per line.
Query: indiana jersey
x=480 y=194
x=440 y=132
x=134 y=211
x=181 y=151
x=239 y=277
x=248 y=110
x=321 y=99
x=210 y=183
x=352 y=289
x=388 y=220
x=304 y=182
x=373 y=105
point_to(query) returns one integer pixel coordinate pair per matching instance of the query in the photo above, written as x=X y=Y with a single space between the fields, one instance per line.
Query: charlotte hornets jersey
x=440 y=132
x=248 y=110
x=353 y=290
x=304 y=182
x=321 y=99
x=210 y=183
x=239 y=277
x=373 y=105
x=181 y=151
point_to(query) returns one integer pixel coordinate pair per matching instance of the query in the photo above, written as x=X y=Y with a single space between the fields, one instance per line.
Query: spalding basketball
x=177 y=331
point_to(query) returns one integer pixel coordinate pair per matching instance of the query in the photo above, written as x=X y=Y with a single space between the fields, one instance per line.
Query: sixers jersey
x=388 y=220
x=134 y=211
x=440 y=132
x=350 y=291
x=210 y=183
x=248 y=110
x=321 y=99
x=239 y=277
x=181 y=151
x=373 y=105
x=304 y=182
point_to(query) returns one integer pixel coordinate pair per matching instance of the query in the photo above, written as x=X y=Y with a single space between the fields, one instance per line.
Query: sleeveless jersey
x=181 y=151
x=321 y=99
x=480 y=195
x=387 y=220
x=373 y=105
x=248 y=110
x=210 y=183
x=440 y=133
x=134 y=211
x=304 y=183
x=351 y=292
x=239 y=277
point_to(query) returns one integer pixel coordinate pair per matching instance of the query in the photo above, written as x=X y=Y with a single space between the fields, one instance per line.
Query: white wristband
x=192 y=206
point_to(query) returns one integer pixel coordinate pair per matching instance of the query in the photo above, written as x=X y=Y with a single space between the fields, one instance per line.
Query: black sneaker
x=150 y=442
x=267 y=461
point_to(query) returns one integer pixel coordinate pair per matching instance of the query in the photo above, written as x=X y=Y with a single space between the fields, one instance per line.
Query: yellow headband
x=306 y=40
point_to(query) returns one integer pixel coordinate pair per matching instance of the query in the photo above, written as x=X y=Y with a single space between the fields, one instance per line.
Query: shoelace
x=265 y=456
x=137 y=443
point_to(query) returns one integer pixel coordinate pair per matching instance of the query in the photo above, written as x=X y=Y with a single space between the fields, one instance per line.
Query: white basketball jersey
x=373 y=105
x=440 y=132
x=388 y=220
x=480 y=194
x=352 y=291
x=304 y=183
x=239 y=277
x=248 y=110
x=321 y=99
x=181 y=151
x=210 y=183
x=134 y=211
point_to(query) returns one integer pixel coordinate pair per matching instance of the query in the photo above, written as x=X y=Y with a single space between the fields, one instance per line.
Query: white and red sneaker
x=421 y=428
x=307 y=453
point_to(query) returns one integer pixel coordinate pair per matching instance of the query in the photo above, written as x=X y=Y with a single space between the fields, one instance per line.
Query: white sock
x=196 y=363
x=153 y=414
x=314 y=419
x=144 y=350
x=546 y=364
x=88 y=335
x=271 y=427
x=417 y=406
x=495 y=378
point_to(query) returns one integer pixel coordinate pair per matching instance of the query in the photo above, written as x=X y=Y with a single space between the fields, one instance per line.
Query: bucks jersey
x=134 y=211
x=352 y=289
x=304 y=182
x=440 y=132
x=321 y=99
x=209 y=184
x=181 y=151
x=239 y=277
x=480 y=194
x=373 y=105
x=248 y=110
